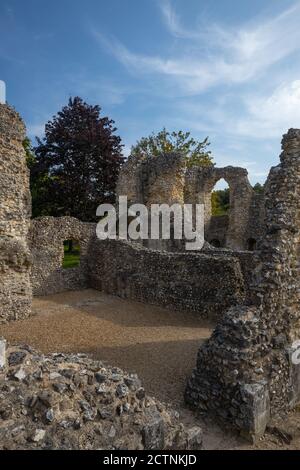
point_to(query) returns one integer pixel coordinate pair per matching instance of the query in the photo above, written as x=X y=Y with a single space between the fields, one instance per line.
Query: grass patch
x=71 y=258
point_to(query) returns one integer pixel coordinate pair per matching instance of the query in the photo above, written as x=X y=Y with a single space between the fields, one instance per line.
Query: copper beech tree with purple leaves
x=76 y=164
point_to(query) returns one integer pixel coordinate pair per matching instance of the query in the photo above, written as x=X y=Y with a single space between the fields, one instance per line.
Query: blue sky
x=224 y=68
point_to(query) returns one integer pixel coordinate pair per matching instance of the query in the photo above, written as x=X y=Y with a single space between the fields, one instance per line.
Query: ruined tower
x=15 y=208
x=249 y=370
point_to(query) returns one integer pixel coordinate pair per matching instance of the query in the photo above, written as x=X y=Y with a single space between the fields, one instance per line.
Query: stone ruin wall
x=15 y=210
x=160 y=180
x=46 y=237
x=244 y=372
x=252 y=223
x=246 y=365
x=167 y=275
x=113 y=402
x=74 y=402
x=245 y=218
x=182 y=281
x=165 y=179
x=188 y=281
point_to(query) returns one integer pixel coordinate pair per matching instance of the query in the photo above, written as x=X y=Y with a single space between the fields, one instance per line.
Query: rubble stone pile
x=70 y=401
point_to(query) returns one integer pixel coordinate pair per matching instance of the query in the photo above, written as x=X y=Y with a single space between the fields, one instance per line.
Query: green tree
x=196 y=152
x=39 y=183
x=220 y=201
x=30 y=157
x=258 y=188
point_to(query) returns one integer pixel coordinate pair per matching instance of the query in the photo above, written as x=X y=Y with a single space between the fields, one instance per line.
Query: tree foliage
x=77 y=162
x=30 y=157
x=258 y=188
x=220 y=201
x=196 y=152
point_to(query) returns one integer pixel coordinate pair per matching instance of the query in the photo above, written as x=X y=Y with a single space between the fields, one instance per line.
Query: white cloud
x=215 y=55
x=173 y=22
x=252 y=41
x=252 y=73
x=258 y=115
x=270 y=116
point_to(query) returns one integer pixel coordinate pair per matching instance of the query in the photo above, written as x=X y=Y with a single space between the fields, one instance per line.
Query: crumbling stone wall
x=165 y=179
x=189 y=281
x=46 y=237
x=200 y=182
x=155 y=180
x=246 y=365
x=256 y=221
x=128 y=182
x=15 y=207
x=72 y=402
x=161 y=180
x=200 y=283
x=217 y=230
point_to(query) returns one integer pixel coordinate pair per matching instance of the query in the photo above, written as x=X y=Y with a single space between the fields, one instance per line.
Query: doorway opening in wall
x=220 y=206
x=220 y=203
x=71 y=254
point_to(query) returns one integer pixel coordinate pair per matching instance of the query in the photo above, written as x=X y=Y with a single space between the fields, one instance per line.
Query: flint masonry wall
x=232 y=232
x=246 y=372
x=15 y=207
x=46 y=237
x=247 y=365
x=189 y=281
x=161 y=180
x=165 y=179
x=200 y=283
x=216 y=234
x=82 y=404
x=154 y=180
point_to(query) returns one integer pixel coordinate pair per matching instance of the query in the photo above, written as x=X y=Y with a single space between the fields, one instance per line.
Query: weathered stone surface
x=153 y=432
x=188 y=281
x=34 y=414
x=244 y=371
x=15 y=209
x=165 y=179
x=200 y=182
x=46 y=237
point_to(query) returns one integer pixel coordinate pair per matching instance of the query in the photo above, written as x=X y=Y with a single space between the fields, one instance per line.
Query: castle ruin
x=249 y=285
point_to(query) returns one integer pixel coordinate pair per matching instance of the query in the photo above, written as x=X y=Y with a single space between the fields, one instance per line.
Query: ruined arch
x=199 y=185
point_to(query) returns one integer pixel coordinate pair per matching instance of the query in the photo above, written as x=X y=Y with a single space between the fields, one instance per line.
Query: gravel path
x=158 y=344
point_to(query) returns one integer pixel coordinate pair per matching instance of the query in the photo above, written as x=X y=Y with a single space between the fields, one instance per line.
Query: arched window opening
x=218 y=223
x=71 y=254
x=220 y=198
